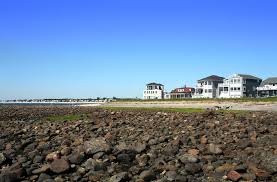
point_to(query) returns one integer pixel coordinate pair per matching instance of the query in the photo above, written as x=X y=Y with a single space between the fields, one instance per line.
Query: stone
x=193 y=168
x=142 y=160
x=12 y=175
x=90 y=164
x=248 y=177
x=59 y=166
x=43 y=177
x=52 y=156
x=96 y=145
x=123 y=176
x=214 y=149
x=269 y=163
x=194 y=152
x=188 y=158
x=38 y=159
x=203 y=140
x=59 y=179
x=224 y=168
x=233 y=175
x=139 y=147
x=76 y=158
x=42 y=169
x=147 y=175
x=2 y=158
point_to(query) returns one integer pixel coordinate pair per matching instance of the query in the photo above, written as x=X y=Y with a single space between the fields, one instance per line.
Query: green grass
x=69 y=117
x=181 y=110
x=269 y=99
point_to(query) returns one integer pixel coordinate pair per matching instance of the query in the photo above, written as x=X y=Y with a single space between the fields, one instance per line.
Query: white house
x=238 y=86
x=268 y=87
x=153 y=91
x=207 y=87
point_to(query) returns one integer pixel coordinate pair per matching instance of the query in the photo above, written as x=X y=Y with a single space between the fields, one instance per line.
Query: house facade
x=238 y=86
x=207 y=87
x=268 y=88
x=153 y=91
x=182 y=93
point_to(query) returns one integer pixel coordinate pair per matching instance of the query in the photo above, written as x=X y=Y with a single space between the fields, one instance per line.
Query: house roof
x=183 y=90
x=212 y=78
x=250 y=77
x=157 y=84
x=271 y=80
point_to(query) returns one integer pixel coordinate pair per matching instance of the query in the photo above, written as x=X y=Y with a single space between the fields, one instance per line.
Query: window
x=209 y=82
x=238 y=80
x=238 y=88
x=210 y=90
x=235 y=88
x=232 y=88
x=205 y=90
x=235 y=80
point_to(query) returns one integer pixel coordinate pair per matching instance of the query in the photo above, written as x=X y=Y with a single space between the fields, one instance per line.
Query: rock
x=139 y=147
x=171 y=175
x=203 y=140
x=43 y=177
x=194 y=152
x=76 y=158
x=224 y=168
x=52 y=156
x=59 y=166
x=147 y=175
x=90 y=164
x=188 y=158
x=269 y=163
x=65 y=150
x=59 y=179
x=38 y=159
x=12 y=175
x=2 y=158
x=142 y=160
x=248 y=177
x=43 y=169
x=214 y=149
x=234 y=176
x=96 y=145
x=193 y=168
x=119 y=177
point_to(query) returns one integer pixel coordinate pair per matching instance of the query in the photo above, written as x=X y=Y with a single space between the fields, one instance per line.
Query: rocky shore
x=137 y=146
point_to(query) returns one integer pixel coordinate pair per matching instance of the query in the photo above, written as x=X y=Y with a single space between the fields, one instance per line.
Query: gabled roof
x=183 y=90
x=157 y=84
x=271 y=80
x=250 y=77
x=212 y=78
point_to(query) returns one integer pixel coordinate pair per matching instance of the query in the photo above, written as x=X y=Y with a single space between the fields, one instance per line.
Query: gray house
x=268 y=88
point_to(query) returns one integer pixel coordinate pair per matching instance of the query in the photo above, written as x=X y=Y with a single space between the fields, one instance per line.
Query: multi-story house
x=207 y=87
x=153 y=91
x=268 y=88
x=238 y=86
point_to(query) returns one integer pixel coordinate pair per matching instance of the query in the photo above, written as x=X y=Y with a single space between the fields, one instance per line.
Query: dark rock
x=2 y=158
x=76 y=158
x=43 y=177
x=147 y=175
x=193 y=168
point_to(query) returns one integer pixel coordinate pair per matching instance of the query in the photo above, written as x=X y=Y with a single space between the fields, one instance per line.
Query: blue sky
x=64 y=48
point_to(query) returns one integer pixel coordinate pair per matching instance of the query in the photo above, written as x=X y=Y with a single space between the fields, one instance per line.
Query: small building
x=207 y=87
x=182 y=93
x=167 y=95
x=268 y=88
x=238 y=86
x=153 y=91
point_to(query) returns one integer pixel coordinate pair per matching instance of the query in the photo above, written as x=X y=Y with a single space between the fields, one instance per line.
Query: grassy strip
x=269 y=99
x=161 y=109
x=70 y=117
